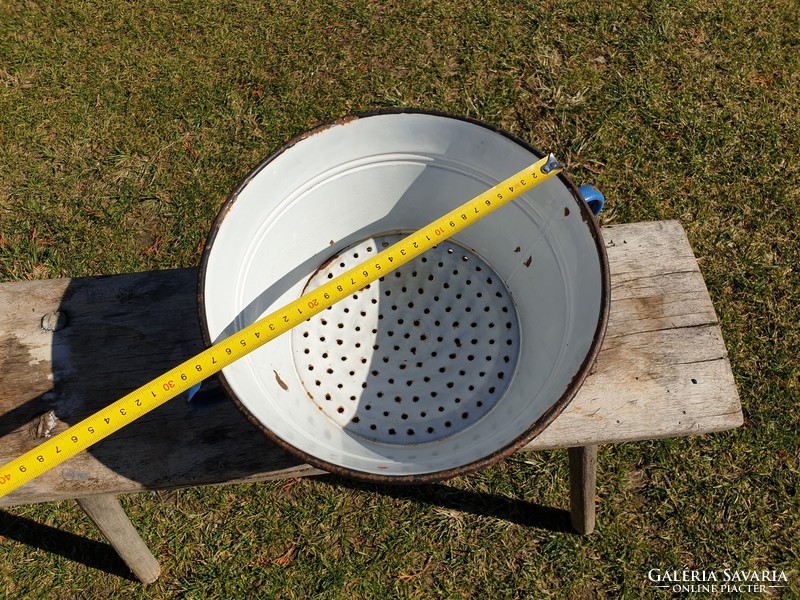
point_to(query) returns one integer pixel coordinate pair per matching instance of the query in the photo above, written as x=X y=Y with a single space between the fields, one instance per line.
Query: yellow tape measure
x=212 y=360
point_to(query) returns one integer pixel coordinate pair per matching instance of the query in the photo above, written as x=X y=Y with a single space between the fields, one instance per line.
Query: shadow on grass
x=520 y=512
x=95 y=555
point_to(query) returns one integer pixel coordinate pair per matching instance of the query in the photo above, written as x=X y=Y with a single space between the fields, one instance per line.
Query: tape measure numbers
x=212 y=360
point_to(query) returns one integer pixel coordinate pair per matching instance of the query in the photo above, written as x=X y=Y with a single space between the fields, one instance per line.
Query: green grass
x=124 y=125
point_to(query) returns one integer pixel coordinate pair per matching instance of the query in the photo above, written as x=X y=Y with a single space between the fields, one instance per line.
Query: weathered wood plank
x=663 y=371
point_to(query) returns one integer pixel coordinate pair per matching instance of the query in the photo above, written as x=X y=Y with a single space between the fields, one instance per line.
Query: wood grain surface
x=71 y=346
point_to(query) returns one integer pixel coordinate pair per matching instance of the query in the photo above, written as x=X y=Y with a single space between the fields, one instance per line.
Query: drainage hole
x=426 y=379
x=305 y=334
x=330 y=371
x=322 y=338
x=390 y=333
x=434 y=394
x=453 y=356
x=306 y=351
x=340 y=409
x=355 y=419
x=340 y=342
x=374 y=373
x=465 y=415
x=410 y=305
x=398 y=399
x=310 y=367
x=327 y=396
x=470 y=357
x=482 y=374
x=431 y=429
x=423 y=414
x=434 y=353
x=479 y=403
x=415 y=399
x=318 y=382
x=441 y=409
x=368 y=407
x=442 y=369
x=358 y=344
x=379 y=394
x=403 y=366
x=352 y=373
x=448 y=424
x=400 y=321
x=500 y=375
x=471 y=388
x=386 y=359
x=340 y=385
x=404 y=416
x=457 y=400
x=353 y=398
x=373 y=427
x=386 y=413
x=410 y=382
x=392 y=431
x=450 y=384
x=391 y=381
x=491 y=390
x=410 y=432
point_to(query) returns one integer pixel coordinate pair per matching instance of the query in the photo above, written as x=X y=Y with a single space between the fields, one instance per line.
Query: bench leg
x=582 y=485
x=107 y=514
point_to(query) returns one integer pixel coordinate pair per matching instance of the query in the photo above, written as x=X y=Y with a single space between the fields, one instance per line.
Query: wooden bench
x=71 y=346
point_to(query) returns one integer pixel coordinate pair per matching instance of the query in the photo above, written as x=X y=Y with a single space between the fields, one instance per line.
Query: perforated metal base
x=419 y=355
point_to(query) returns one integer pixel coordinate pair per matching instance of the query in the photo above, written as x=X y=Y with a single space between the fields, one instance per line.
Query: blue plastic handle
x=593 y=197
